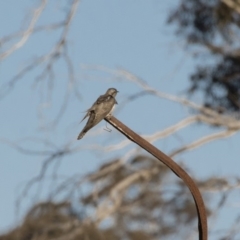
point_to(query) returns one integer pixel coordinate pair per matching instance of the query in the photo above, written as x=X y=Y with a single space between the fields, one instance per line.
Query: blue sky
x=115 y=34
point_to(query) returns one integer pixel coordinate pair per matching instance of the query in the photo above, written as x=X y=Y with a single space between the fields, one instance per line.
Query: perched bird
x=99 y=110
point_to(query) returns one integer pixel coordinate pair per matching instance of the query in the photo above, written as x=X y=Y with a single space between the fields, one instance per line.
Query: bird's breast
x=112 y=109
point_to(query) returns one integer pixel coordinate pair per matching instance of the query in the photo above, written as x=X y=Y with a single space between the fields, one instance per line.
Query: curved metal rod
x=201 y=211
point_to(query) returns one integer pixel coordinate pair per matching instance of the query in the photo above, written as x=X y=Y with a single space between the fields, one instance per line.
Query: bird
x=101 y=108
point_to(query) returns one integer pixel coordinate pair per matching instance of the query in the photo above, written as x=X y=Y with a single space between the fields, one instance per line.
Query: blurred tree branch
x=37 y=13
x=132 y=196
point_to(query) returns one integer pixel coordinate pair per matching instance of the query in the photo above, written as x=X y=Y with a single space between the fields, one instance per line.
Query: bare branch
x=22 y=150
x=111 y=204
x=122 y=73
x=37 y=13
x=204 y=140
x=156 y=136
x=53 y=26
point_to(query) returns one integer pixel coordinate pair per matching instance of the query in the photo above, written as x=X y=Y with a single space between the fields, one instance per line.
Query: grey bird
x=99 y=110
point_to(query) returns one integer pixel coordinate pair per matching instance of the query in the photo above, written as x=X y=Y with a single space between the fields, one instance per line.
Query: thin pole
x=201 y=211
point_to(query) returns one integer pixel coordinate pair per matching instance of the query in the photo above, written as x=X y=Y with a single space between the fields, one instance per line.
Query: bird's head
x=112 y=91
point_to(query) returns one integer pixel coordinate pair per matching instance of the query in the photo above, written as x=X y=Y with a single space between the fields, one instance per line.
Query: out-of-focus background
x=176 y=66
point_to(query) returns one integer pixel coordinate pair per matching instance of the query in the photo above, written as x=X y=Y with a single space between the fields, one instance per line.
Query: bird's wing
x=89 y=125
x=85 y=116
x=88 y=114
x=103 y=98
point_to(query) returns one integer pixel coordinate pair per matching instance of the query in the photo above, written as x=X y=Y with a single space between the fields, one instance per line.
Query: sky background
x=114 y=34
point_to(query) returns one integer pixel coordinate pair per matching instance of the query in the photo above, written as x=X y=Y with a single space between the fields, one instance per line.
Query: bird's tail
x=81 y=134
